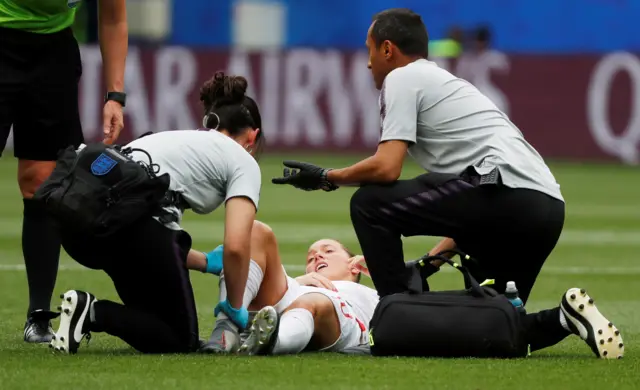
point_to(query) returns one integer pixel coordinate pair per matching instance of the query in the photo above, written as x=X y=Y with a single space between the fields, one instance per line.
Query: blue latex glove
x=240 y=317
x=214 y=260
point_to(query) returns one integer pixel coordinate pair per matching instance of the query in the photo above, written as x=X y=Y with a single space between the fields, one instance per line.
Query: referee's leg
x=510 y=232
x=46 y=120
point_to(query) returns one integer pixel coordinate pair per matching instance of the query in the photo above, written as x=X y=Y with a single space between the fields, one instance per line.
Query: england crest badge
x=102 y=165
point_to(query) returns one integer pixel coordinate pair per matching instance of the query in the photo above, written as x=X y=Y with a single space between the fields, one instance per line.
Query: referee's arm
x=399 y=116
x=114 y=44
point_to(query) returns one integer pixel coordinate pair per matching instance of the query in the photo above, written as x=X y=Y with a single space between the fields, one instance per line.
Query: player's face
x=328 y=258
x=377 y=60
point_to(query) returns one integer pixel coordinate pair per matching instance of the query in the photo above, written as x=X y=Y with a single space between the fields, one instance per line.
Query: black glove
x=305 y=176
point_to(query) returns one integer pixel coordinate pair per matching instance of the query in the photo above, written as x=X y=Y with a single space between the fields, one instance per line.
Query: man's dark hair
x=404 y=28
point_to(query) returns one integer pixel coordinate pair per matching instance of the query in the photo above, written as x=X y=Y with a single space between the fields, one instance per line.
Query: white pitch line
x=305 y=233
x=582 y=210
x=553 y=270
x=603 y=211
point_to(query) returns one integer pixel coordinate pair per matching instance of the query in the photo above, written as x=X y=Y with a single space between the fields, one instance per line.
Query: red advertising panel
x=574 y=107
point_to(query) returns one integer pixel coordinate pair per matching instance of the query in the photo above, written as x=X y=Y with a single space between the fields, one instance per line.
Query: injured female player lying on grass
x=328 y=310
x=324 y=310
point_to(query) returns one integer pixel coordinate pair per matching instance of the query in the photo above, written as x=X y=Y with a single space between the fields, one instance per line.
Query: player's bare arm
x=239 y=218
x=197 y=260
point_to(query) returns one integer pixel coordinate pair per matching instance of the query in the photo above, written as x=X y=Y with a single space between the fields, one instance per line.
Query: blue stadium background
x=566 y=71
x=519 y=26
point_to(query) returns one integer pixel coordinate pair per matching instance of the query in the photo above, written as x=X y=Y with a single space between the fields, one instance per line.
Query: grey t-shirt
x=450 y=126
x=206 y=167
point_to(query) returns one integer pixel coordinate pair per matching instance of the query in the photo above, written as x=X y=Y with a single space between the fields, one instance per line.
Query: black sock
x=41 y=250
x=543 y=329
x=143 y=330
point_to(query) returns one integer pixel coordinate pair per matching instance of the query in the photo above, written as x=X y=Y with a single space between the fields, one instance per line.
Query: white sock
x=563 y=321
x=254 y=281
x=295 y=332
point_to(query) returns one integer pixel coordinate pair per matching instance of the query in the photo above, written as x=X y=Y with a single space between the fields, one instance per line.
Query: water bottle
x=511 y=293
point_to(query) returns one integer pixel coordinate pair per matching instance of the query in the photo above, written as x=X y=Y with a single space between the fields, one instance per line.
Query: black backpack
x=101 y=189
x=475 y=322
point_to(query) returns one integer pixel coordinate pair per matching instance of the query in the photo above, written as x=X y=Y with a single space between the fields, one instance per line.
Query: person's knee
x=325 y=319
x=304 y=302
x=31 y=174
x=365 y=197
x=262 y=242
x=262 y=232
x=312 y=302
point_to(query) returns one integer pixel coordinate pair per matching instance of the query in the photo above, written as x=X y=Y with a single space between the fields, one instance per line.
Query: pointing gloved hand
x=305 y=176
x=240 y=316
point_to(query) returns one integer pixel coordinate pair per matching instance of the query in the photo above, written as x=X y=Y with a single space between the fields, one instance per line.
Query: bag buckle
x=112 y=198
x=469 y=280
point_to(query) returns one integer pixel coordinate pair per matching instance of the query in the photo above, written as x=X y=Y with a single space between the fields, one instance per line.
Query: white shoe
x=585 y=320
x=74 y=321
x=264 y=330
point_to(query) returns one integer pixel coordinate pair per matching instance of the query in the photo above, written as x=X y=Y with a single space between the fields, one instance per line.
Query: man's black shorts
x=39 y=75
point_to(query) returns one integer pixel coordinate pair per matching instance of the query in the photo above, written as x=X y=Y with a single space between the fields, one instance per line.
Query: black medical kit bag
x=101 y=189
x=475 y=322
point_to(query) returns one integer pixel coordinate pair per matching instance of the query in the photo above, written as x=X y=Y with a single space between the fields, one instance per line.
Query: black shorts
x=39 y=75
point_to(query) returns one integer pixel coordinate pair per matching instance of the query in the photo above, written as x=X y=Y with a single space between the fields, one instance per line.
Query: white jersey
x=450 y=126
x=362 y=299
x=206 y=167
x=354 y=304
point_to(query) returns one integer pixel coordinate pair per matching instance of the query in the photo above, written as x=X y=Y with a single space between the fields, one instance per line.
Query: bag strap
x=469 y=280
x=151 y=167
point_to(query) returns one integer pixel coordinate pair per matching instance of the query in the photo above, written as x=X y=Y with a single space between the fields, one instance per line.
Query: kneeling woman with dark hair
x=147 y=260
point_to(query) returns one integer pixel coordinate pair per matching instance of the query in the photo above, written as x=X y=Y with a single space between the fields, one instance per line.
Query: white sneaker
x=74 y=321
x=585 y=320
x=264 y=330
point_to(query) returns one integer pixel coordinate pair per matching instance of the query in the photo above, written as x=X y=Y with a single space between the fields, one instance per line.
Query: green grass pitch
x=597 y=251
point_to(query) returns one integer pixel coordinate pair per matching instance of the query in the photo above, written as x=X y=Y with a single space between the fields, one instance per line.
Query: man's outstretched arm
x=399 y=116
x=383 y=167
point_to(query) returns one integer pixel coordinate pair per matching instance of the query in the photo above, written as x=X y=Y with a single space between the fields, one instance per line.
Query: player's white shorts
x=353 y=330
